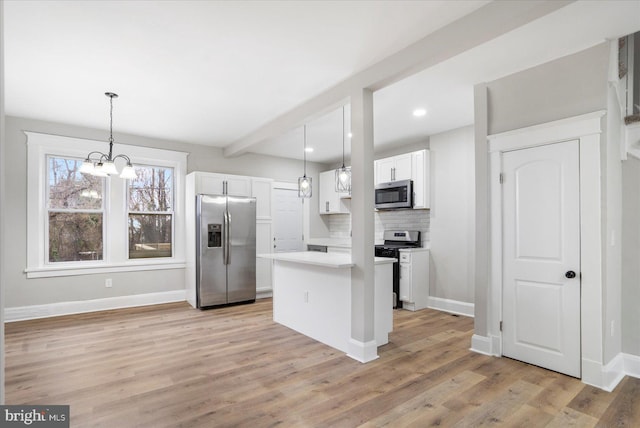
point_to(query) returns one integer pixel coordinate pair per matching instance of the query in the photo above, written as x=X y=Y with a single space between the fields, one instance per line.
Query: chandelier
x=103 y=165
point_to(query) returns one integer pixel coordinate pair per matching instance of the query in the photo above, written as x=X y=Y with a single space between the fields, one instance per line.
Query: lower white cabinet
x=414 y=278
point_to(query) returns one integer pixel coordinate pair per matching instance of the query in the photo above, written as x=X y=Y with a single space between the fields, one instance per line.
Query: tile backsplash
x=340 y=224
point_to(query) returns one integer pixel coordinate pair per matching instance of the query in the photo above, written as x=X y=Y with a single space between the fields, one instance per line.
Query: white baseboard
x=631 y=365
x=481 y=344
x=451 y=306
x=22 y=313
x=605 y=377
x=362 y=351
x=264 y=293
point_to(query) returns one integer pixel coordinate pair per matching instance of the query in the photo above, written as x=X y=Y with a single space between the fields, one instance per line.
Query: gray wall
x=569 y=86
x=452 y=215
x=21 y=291
x=631 y=256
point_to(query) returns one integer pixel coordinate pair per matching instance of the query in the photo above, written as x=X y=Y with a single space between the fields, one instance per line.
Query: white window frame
x=115 y=256
x=172 y=213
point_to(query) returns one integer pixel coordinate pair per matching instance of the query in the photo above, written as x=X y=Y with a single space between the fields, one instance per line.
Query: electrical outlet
x=108 y=283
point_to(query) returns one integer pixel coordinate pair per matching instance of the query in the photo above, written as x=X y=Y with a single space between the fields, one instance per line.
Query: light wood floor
x=173 y=366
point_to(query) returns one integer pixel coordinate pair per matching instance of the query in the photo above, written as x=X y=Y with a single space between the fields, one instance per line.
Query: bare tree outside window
x=75 y=212
x=151 y=212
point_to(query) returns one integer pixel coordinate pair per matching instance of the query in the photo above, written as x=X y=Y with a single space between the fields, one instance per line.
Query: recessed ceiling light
x=308 y=149
x=419 y=112
x=350 y=135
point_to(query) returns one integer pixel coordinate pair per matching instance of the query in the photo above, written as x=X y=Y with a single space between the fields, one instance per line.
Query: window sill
x=53 y=271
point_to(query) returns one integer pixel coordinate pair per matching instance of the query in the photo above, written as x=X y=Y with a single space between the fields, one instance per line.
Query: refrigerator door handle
x=228 y=238
x=225 y=240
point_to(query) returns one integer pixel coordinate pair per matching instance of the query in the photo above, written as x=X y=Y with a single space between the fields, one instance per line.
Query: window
x=75 y=212
x=79 y=224
x=151 y=213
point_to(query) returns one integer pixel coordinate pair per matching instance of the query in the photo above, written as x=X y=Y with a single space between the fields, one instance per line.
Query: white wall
x=20 y=291
x=612 y=179
x=452 y=215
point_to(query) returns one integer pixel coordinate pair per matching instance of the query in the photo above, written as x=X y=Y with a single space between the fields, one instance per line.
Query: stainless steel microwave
x=394 y=195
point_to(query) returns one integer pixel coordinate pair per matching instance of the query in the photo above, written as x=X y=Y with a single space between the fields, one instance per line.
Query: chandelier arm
x=95 y=153
x=125 y=157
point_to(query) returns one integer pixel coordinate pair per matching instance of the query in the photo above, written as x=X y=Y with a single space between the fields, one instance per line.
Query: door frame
x=587 y=130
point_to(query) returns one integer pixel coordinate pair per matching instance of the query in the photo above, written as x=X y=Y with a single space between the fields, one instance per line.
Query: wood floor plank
x=173 y=366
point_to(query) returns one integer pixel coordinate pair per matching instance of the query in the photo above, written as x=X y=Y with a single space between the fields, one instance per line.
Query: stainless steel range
x=394 y=240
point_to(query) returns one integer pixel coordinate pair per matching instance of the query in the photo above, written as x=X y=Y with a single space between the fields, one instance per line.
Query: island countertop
x=331 y=260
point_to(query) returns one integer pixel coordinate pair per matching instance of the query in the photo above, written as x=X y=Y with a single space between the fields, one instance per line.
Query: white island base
x=312 y=295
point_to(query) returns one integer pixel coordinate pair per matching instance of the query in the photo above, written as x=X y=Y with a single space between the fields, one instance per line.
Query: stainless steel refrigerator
x=225 y=250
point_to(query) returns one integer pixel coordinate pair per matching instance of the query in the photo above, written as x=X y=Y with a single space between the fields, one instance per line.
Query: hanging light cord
x=343 y=137
x=305 y=150
x=111 y=126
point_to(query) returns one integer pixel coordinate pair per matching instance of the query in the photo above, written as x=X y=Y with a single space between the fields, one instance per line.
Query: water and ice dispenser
x=214 y=235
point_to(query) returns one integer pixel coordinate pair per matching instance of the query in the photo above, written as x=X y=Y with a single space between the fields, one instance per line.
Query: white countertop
x=332 y=260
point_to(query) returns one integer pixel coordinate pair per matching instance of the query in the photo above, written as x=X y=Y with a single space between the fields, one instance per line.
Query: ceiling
x=211 y=72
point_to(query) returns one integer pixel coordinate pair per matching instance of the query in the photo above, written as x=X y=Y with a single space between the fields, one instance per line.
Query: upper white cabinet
x=261 y=190
x=330 y=201
x=409 y=166
x=393 y=169
x=216 y=184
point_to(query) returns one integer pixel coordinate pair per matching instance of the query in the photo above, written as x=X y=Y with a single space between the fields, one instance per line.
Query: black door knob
x=570 y=274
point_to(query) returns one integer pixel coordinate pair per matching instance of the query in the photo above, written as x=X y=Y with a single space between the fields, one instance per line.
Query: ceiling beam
x=483 y=25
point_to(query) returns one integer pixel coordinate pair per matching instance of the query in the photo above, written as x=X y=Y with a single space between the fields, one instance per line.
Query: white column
x=362 y=345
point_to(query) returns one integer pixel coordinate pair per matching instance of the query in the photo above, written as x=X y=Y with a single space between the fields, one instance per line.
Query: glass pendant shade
x=343 y=179
x=87 y=167
x=128 y=173
x=109 y=168
x=304 y=187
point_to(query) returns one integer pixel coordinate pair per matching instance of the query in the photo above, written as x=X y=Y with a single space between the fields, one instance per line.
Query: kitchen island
x=312 y=295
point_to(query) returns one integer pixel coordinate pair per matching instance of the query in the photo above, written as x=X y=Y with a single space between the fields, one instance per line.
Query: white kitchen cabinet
x=330 y=201
x=261 y=190
x=420 y=162
x=409 y=166
x=264 y=245
x=414 y=278
x=394 y=168
x=215 y=184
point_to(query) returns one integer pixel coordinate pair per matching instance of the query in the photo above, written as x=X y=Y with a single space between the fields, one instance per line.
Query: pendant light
x=304 y=182
x=103 y=165
x=343 y=174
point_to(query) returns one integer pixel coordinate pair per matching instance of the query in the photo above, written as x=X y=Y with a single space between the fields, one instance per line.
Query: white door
x=541 y=256
x=287 y=221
